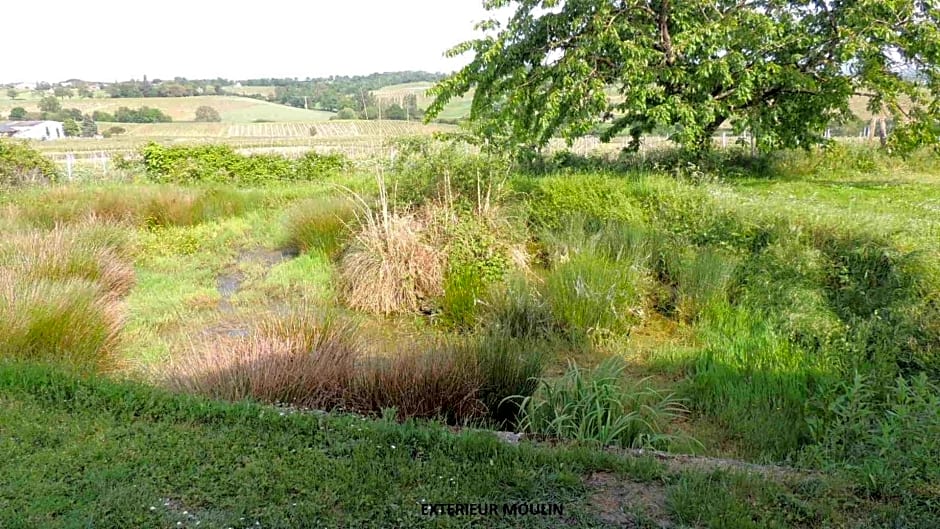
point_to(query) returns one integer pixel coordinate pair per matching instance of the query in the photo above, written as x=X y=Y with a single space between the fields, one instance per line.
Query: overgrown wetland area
x=207 y=339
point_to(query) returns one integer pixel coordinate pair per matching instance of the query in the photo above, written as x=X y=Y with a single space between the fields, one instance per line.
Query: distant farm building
x=32 y=130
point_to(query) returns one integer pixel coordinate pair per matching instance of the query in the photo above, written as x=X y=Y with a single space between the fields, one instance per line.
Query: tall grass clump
x=149 y=206
x=316 y=360
x=303 y=358
x=600 y=406
x=753 y=381
x=319 y=224
x=480 y=250
x=69 y=323
x=704 y=281
x=507 y=367
x=438 y=383
x=64 y=254
x=598 y=198
x=389 y=265
x=517 y=309
x=594 y=297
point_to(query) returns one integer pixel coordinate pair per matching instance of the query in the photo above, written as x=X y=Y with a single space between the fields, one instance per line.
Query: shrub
x=113 y=131
x=206 y=113
x=447 y=172
x=345 y=113
x=320 y=223
x=69 y=323
x=388 y=267
x=20 y=164
x=313 y=165
x=478 y=255
x=141 y=115
x=599 y=406
x=220 y=163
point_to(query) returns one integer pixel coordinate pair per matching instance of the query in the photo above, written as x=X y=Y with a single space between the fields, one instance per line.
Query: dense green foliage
x=139 y=115
x=221 y=164
x=178 y=87
x=17 y=113
x=21 y=164
x=782 y=70
x=338 y=92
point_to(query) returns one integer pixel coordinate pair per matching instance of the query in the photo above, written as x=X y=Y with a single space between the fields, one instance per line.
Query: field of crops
x=356 y=139
x=233 y=109
x=316 y=129
x=457 y=108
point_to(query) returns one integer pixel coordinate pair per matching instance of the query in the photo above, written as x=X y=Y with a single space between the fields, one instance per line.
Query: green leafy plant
x=600 y=406
x=20 y=164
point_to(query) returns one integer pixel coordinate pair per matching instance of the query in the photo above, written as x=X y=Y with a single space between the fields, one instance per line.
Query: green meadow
x=218 y=340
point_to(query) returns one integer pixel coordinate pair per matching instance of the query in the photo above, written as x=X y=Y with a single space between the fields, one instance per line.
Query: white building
x=32 y=130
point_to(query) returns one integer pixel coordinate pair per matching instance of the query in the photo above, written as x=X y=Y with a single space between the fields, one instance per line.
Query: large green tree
x=784 y=70
x=50 y=104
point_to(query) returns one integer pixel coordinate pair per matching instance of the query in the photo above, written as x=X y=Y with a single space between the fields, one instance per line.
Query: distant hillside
x=457 y=108
x=233 y=109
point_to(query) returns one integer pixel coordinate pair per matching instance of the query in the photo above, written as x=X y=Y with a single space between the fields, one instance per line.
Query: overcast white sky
x=108 y=40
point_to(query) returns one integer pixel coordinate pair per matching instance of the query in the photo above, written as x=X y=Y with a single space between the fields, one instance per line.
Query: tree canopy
x=783 y=70
x=206 y=113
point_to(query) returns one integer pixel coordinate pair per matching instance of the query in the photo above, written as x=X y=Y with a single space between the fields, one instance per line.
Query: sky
x=110 y=40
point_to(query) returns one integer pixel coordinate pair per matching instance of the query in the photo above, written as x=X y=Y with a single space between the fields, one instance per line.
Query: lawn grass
x=110 y=454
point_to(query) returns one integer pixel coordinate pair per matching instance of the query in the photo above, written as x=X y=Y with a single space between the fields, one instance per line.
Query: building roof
x=7 y=127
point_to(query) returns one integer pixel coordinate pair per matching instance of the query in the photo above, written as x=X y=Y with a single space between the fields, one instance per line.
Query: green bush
x=220 y=163
x=20 y=164
x=477 y=256
x=600 y=406
x=449 y=172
